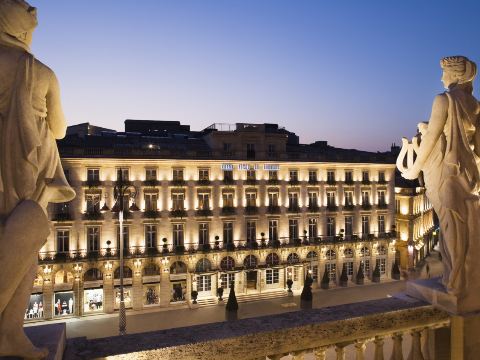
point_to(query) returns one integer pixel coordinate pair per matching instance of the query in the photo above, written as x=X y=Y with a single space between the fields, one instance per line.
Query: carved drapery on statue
x=447 y=156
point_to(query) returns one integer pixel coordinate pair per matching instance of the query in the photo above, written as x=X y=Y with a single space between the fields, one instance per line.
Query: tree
x=344 y=276
x=307 y=289
x=232 y=304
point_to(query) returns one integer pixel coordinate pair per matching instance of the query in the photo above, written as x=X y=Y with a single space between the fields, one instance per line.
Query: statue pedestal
x=433 y=292
x=464 y=320
x=52 y=336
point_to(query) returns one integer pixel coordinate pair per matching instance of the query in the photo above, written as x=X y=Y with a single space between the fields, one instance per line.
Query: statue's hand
x=422 y=127
x=411 y=173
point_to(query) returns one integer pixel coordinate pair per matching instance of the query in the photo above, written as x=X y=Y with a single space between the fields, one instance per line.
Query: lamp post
x=120 y=190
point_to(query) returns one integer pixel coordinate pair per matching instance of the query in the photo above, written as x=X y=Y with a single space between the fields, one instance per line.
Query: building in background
x=416 y=226
x=245 y=204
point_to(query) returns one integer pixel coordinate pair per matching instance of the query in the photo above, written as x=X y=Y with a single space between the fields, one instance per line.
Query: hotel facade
x=242 y=204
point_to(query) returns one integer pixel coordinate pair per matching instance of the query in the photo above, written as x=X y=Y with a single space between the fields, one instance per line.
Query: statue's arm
x=430 y=136
x=55 y=117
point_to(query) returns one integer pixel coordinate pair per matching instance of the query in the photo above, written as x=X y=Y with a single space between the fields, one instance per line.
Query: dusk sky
x=359 y=74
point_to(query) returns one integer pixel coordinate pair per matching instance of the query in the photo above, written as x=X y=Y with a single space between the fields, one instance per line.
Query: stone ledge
x=251 y=338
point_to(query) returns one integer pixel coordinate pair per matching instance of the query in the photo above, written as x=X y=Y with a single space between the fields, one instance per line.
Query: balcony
x=293 y=182
x=348 y=207
x=366 y=182
x=251 y=181
x=203 y=212
x=366 y=206
x=387 y=326
x=273 y=209
x=293 y=209
x=251 y=210
x=203 y=182
x=228 y=181
x=93 y=215
x=313 y=208
x=313 y=182
x=178 y=213
x=228 y=210
x=331 y=182
x=62 y=216
x=273 y=181
x=178 y=182
x=151 y=183
x=348 y=182
x=332 y=208
x=382 y=205
x=92 y=183
x=126 y=215
x=151 y=214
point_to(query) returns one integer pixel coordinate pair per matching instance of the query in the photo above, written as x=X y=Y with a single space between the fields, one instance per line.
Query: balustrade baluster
x=416 y=349
x=360 y=350
x=378 y=348
x=397 y=353
x=320 y=353
x=275 y=357
x=299 y=355
x=426 y=344
x=340 y=350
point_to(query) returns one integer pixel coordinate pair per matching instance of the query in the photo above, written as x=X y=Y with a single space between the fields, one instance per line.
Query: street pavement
x=103 y=325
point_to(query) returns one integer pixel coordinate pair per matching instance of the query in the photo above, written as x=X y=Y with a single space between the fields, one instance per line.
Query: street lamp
x=120 y=190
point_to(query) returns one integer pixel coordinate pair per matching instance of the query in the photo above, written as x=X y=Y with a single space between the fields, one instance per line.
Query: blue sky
x=360 y=74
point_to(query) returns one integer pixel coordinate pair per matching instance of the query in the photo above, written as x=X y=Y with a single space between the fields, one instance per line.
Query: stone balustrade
x=307 y=334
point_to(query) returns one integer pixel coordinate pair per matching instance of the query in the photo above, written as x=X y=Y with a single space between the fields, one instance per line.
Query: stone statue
x=446 y=152
x=31 y=174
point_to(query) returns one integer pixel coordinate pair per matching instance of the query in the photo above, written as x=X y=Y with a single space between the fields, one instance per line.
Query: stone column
x=360 y=350
x=108 y=294
x=397 y=352
x=320 y=353
x=416 y=348
x=465 y=342
x=78 y=296
x=47 y=299
x=378 y=348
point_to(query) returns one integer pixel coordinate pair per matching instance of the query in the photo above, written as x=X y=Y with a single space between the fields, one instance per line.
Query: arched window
x=203 y=265
x=178 y=267
x=272 y=259
x=127 y=273
x=151 y=270
x=365 y=251
x=227 y=263
x=63 y=277
x=93 y=274
x=331 y=254
x=382 y=250
x=348 y=253
x=293 y=258
x=312 y=256
x=250 y=262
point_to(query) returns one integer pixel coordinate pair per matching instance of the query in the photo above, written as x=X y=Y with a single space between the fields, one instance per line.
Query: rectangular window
x=203 y=237
x=177 y=174
x=331 y=199
x=312 y=228
x=293 y=200
x=381 y=176
x=348 y=225
x=312 y=176
x=126 y=237
x=296 y=273
x=332 y=271
x=271 y=150
x=228 y=175
x=123 y=173
x=348 y=198
x=348 y=176
x=272 y=175
x=294 y=175
x=228 y=232
x=365 y=176
x=93 y=203
x=151 y=202
x=312 y=200
x=203 y=175
x=365 y=264
x=251 y=198
x=204 y=283
x=178 y=201
x=203 y=201
x=178 y=234
x=93 y=174
x=381 y=197
x=251 y=175
x=330 y=226
x=251 y=231
x=150 y=174
x=272 y=276
x=365 y=198
x=330 y=176
x=250 y=151
x=227 y=198
x=227 y=280
x=313 y=269
x=381 y=224
x=272 y=199
x=272 y=230
x=349 y=266
x=227 y=147
x=93 y=238
x=365 y=225
x=150 y=236
x=63 y=241
x=293 y=229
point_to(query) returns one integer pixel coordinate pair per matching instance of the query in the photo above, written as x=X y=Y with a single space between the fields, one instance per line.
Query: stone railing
x=324 y=333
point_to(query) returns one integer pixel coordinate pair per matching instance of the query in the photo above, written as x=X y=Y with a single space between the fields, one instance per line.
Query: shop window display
x=151 y=295
x=127 y=296
x=63 y=303
x=35 y=307
x=92 y=300
x=179 y=291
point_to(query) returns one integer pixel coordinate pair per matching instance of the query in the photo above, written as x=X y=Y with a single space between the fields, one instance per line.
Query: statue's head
x=18 y=20
x=457 y=70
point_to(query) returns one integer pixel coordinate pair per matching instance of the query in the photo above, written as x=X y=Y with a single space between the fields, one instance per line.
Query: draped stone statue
x=31 y=175
x=446 y=152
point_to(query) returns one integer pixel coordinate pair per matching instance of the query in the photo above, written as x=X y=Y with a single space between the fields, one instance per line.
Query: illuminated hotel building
x=244 y=204
x=415 y=223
